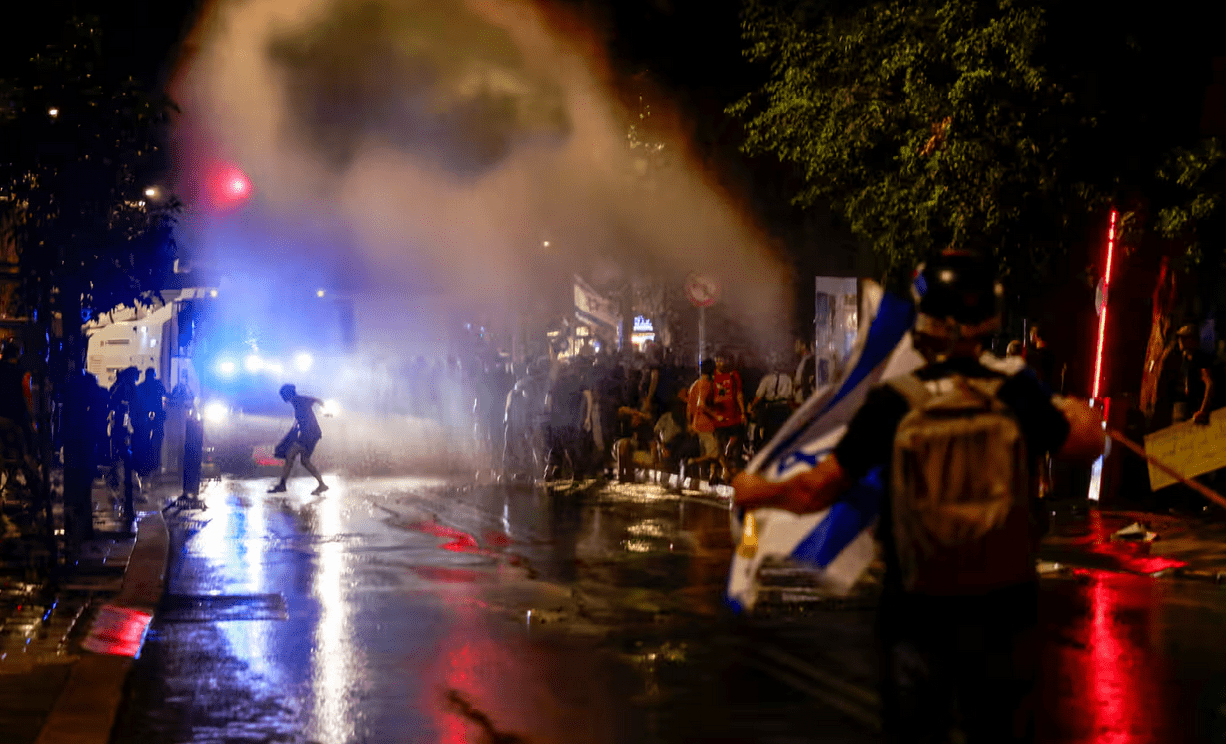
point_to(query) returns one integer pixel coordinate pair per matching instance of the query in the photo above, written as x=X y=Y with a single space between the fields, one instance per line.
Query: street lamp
x=153 y=192
x=53 y=112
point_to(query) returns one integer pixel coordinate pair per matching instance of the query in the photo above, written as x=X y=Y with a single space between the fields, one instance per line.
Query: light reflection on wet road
x=1132 y=660
x=416 y=610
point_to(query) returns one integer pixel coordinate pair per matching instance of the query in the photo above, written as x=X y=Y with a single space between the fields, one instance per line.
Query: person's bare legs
x=304 y=457
x=294 y=451
x=730 y=460
x=310 y=468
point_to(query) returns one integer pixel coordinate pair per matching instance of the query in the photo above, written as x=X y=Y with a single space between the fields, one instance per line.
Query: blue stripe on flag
x=894 y=318
x=848 y=517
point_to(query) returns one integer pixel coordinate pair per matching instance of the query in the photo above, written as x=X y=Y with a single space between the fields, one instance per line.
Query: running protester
x=301 y=440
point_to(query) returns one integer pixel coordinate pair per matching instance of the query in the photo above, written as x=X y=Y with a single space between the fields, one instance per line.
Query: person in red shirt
x=700 y=417
x=729 y=403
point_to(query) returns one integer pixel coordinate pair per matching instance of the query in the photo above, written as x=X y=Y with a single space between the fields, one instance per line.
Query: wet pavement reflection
x=423 y=610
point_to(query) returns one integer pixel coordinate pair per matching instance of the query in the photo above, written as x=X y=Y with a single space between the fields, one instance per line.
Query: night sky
x=686 y=50
x=690 y=52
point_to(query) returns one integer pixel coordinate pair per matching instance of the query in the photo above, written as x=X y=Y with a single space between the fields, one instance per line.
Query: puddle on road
x=202 y=608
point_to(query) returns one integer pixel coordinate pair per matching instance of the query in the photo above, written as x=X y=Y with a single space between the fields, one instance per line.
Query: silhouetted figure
x=179 y=404
x=728 y=400
x=419 y=381
x=182 y=392
x=301 y=440
x=85 y=421
x=565 y=411
x=1040 y=358
x=700 y=419
x=490 y=408
x=772 y=402
x=1195 y=394
x=148 y=423
x=121 y=395
x=524 y=414
x=13 y=394
x=806 y=379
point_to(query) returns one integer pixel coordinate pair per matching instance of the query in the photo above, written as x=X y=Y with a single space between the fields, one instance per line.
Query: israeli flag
x=838 y=542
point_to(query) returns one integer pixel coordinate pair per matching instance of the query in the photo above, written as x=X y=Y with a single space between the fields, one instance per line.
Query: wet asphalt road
x=420 y=610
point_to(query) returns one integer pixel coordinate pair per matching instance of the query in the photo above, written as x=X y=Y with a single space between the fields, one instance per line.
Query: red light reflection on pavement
x=461 y=542
x=1111 y=681
x=118 y=631
x=1124 y=690
x=446 y=575
x=1111 y=685
x=1129 y=555
x=498 y=539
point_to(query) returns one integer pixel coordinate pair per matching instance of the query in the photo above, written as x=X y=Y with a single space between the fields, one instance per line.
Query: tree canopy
x=1001 y=125
x=79 y=157
x=927 y=124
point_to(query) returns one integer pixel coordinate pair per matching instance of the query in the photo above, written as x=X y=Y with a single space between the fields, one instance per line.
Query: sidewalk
x=54 y=689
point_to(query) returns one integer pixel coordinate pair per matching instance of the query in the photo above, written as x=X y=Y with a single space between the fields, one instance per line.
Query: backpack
x=961 y=489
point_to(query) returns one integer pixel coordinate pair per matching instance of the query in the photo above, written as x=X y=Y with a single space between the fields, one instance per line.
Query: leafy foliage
x=1199 y=175
x=79 y=146
x=926 y=123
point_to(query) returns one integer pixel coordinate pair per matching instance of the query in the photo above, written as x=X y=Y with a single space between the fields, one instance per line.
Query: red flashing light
x=238 y=187
x=1102 y=315
x=230 y=186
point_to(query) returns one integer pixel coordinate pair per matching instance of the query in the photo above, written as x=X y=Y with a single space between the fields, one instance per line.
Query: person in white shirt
x=772 y=403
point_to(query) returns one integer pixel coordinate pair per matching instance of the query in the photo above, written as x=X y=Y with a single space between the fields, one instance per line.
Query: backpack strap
x=911 y=388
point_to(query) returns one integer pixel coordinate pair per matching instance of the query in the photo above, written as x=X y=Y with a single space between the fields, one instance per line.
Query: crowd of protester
x=607 y=415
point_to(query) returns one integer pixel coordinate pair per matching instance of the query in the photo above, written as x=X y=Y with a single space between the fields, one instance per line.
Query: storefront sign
x=595 y=310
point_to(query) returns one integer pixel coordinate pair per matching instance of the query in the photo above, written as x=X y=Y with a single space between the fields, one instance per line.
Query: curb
x=85 y=711
x=672 y=480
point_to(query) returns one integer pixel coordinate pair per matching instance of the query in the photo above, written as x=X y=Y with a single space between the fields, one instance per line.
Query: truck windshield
x=244 y=350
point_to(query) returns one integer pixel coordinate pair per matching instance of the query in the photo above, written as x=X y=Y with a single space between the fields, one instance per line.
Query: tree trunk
x=79 y=464
x=1153 y=400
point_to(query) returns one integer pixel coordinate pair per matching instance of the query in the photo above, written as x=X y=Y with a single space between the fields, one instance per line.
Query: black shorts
x=726 y=433
x=308 y=446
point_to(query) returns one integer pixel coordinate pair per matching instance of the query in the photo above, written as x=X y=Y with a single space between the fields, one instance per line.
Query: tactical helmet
x=288 y=391
x=958 y=297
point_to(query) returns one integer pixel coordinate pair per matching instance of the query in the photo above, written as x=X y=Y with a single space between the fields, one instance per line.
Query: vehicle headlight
x=226 y=368
x=331 y=408
x=273 y=368
x=216 y=412
x=253 y=363
x=303 y=361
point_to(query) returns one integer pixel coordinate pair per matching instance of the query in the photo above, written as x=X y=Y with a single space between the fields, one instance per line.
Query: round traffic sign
x=702 y=290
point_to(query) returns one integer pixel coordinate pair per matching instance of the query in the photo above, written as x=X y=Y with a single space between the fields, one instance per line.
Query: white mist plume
x=452 y=139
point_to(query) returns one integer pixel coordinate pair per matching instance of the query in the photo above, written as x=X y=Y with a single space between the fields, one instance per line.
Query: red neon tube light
x=1102 y=315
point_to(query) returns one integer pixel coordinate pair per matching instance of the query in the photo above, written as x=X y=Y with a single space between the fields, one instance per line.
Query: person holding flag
x=955 y=446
